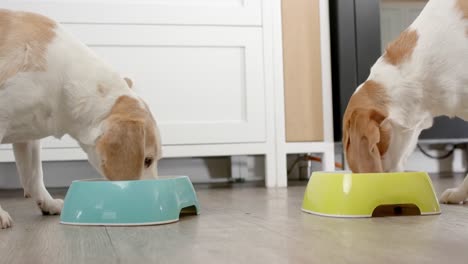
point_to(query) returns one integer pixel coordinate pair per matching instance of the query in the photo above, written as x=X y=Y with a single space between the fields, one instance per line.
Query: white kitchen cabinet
x=210 y=70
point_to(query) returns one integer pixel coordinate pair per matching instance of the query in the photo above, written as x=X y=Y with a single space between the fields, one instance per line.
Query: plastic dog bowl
x=127 y=203
x=345 y=194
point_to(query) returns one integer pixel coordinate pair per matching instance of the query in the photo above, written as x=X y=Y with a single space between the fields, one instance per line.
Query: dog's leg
x=5 y=218
x=19 y=152
x=456 y=195
x=29 y=166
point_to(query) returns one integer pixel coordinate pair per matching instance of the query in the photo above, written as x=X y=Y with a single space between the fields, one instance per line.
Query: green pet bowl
x=346 y=194
x=129 y=203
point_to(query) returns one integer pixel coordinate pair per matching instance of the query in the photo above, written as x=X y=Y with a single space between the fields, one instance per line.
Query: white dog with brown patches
x=52 y=85
x=421 y=75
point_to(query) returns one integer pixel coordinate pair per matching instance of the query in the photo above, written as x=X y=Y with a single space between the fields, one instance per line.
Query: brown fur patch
x=463 y=6
x=402 y=48
x=130 y=137
x=24 y=38
x=364 y=139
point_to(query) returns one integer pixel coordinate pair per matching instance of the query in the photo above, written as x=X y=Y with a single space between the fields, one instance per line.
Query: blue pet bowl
x=128 y=203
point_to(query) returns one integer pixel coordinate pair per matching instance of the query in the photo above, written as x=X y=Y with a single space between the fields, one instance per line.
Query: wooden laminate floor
x=240 y=224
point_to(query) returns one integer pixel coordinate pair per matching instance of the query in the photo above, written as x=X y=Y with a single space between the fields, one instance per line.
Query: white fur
x=62 y=100
x=433 y=82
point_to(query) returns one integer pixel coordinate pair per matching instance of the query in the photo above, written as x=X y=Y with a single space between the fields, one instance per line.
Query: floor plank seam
x=112 y=246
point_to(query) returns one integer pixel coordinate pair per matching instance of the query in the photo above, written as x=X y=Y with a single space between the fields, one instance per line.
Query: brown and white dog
x=51 y=85
x=421 y=75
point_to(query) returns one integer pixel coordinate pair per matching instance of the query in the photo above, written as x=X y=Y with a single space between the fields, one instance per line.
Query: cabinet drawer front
x=204 y=84
x=169 y=12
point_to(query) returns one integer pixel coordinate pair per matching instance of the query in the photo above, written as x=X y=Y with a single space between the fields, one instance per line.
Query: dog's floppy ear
x=122 y=149
x=366 y=139
x=122 y=145
x=129 y=82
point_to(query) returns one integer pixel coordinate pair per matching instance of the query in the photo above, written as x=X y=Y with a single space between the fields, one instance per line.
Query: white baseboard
x=419 y=162
x=200 y=170
x=203 y=170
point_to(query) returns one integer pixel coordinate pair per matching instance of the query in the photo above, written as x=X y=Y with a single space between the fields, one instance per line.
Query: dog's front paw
x=50 y=206
x=453 y=196
x=5 y=219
